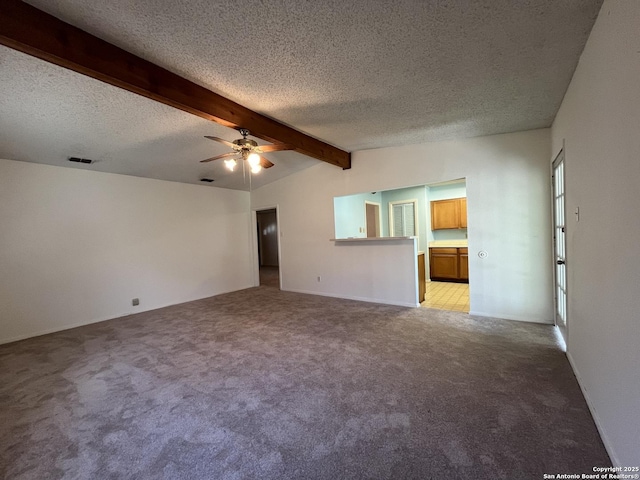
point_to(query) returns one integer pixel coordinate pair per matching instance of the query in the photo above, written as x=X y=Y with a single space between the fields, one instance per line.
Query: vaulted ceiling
x=356 y=75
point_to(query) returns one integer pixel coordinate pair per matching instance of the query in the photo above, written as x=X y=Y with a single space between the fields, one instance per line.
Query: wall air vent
x=80 y=160
x=207 y=180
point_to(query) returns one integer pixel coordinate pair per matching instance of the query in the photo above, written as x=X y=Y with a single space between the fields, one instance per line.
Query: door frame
x=254 y=242
x=563 y=328
x=379 y=229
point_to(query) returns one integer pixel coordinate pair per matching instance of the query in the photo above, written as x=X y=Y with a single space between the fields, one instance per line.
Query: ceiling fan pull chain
x=244 y=173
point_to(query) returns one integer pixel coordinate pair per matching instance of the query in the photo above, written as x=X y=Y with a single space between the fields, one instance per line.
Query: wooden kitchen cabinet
x=422 y=277
x=463 y=263
x=449 y=214
x=443 y=263
x=449 y=264
x=445 y=214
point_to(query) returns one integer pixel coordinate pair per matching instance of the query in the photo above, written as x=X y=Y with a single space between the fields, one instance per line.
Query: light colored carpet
x=274 y=385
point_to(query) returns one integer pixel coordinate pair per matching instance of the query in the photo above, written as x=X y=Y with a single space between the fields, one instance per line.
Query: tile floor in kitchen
x=447 y=296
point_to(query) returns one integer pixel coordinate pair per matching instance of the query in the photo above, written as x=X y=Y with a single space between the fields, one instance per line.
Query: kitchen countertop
x=369 y=239
x=448 y=243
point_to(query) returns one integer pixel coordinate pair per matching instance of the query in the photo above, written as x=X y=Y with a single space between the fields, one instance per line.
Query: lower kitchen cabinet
x=463 y=263
x=449 y=264
x=422 y=277
x=443 y=263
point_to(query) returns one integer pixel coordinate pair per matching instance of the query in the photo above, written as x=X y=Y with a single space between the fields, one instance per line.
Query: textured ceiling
x=50 y=113
x=359 y=74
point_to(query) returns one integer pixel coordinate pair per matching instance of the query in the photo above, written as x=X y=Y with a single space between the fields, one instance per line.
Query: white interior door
x=403 y=221
x=559 y=244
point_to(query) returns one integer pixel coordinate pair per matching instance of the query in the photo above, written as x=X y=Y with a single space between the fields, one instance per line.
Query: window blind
x=404 y=219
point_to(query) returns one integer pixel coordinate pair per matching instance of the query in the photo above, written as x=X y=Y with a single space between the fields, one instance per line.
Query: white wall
x=445 y=192
x=507 y=186
x=600 y=122
x=76 y=246
x=385 y=270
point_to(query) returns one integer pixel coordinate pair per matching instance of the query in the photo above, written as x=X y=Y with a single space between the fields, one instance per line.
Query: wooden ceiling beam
x=32 y=31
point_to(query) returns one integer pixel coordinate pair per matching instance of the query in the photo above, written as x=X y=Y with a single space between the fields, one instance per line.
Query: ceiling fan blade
x=221 y=140
x=218 y=157
x=274 y=148
x=264 y=163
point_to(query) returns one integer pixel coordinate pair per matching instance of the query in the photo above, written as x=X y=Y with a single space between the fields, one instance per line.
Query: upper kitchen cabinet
x=463 y=213
x=449 y=214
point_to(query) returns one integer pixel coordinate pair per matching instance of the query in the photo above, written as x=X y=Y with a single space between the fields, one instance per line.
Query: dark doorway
x=267 y=225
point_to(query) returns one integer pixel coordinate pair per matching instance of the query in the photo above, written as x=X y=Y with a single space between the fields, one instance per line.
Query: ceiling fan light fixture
x=230 y=164
x=246 y=149
x=254 y=160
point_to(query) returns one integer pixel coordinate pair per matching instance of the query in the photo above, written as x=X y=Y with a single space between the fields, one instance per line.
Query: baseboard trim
x=596 y=419
x=518 y=318
x=69 y=326
x=351 y=297
x=62 y=328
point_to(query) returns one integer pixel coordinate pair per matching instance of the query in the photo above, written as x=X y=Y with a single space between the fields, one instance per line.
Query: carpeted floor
x=263 y=384
x=270 y=277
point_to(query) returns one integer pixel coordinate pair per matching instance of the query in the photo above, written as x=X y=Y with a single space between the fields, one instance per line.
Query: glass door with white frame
x=559 y=244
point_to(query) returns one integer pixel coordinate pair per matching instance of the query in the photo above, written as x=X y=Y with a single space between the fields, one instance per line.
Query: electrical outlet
x=135 y=302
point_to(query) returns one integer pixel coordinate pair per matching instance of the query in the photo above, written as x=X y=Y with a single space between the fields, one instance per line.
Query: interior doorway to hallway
x=268 y=251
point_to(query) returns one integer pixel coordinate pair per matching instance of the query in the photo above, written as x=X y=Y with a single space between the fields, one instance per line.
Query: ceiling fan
x=246 y=149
